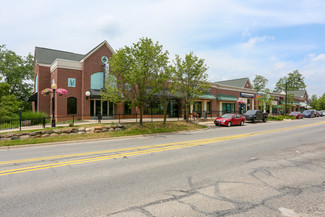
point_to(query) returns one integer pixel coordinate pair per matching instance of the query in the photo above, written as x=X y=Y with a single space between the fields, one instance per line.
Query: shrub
x=35 y=117
x=275 y=118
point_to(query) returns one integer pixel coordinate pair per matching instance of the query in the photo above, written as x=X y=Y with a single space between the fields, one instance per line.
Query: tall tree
x=294 y=80
x=136 y=69
x=313 y=101
x=259 y=83
x=190 y=79
x=18 y=72
x=164 y=88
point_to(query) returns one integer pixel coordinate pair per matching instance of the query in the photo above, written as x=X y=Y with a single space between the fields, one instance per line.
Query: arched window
x=72 y=105
x=97 y=81
x=36 y=83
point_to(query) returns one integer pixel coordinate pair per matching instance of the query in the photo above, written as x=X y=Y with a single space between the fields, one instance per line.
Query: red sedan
x=298 y=115
x=230 y=119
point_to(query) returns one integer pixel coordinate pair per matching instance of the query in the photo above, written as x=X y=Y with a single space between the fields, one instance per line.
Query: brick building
x=83 y=75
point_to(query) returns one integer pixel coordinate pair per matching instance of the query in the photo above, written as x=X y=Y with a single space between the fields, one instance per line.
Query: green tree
x=164 y=89
x=18 y=72
x=294 y=80
x=321 y=103
x=313 y=101
x=190 y=79
x=265 y=99
x=9 y=107
x=136 y=69
x=259 y=83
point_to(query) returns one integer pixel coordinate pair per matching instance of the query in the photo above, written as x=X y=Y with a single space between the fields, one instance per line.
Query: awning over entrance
x=207 y=96
x=33 y=97
x=303 y=104
x=226 y=98
x=95 y=93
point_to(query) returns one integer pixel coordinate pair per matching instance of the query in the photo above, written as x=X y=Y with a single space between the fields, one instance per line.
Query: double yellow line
x=127 y=152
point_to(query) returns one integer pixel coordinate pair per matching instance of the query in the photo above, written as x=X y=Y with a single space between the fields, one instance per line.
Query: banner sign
x=247 y=95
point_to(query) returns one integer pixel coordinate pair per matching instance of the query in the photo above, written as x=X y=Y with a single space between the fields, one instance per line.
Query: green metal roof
x=207 y=96
x=226 y=97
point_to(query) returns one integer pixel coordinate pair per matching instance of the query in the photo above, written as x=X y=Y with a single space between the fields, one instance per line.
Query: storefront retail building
x=83 y=75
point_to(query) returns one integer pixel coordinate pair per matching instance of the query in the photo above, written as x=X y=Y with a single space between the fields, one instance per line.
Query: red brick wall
x=44 y=81
x=91 y=65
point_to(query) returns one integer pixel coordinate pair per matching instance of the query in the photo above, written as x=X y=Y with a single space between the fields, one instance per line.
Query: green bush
x=275 y=118
x=35 y=117
x=291 y=117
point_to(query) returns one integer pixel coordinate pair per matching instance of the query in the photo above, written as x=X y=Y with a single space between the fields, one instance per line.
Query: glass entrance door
x=99 y=107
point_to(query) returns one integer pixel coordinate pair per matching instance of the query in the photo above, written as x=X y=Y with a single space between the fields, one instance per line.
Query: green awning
x=278 y=106
x=207 y=96
x=226 y=97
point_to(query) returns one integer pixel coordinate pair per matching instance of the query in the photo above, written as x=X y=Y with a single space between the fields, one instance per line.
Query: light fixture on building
x=87 y=94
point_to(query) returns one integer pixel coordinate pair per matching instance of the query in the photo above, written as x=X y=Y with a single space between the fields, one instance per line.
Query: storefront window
x=228 y=108
x=72 y=105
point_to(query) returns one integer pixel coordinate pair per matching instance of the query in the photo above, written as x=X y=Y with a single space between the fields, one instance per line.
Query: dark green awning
x=207 y=96
x=226 y=97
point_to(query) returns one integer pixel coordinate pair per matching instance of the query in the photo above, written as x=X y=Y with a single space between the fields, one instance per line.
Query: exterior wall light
x=87 y=94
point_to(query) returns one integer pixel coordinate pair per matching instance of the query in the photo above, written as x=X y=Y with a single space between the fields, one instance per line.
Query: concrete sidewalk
x=207 y=122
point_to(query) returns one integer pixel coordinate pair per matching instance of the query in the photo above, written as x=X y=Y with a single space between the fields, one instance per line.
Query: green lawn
x=132 y=130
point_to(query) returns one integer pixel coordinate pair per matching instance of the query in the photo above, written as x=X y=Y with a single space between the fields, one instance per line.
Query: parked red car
x=230 y=119
x=298 y=115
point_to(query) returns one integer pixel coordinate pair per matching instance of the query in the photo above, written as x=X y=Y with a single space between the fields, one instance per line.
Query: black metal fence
x=116 y=118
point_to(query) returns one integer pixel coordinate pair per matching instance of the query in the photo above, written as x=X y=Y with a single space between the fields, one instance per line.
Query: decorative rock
x=98 y=131
x=118 y=129
x=82 y=129
x=25 y=137
x=111 y=130
x=58 y=131
x=54 y=134
x=46 y=135
x=98 y=128
x=114 y=126
x=107 y=126
x=66 y=131
x=104 y=130
x=14 y=138
x=74 y=130
x=91 y=129
x=37 y=136
x=8 y=135
x=64 y=134
x=81 y=132
x=35 y=133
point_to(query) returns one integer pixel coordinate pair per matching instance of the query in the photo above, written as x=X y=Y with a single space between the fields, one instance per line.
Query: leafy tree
x=259 y=83
x=266 y=99
x=9 y=107
x=164 y=89
x=321 y=102
x=18 y=72
x=295 y=81
x=313 y=101
x=136 y=69
x=190 y=78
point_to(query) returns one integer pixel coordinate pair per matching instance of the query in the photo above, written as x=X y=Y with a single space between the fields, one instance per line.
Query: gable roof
x=240 y=82
x=48 y=56
x=96 y=48
x=298 y=93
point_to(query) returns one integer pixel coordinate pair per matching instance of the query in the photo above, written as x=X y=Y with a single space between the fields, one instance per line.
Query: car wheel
x=229 y=124
x=253 y=120
x=242 y=123
x=264 y=119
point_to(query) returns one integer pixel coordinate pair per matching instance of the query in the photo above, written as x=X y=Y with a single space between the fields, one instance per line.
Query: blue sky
x=237 y=38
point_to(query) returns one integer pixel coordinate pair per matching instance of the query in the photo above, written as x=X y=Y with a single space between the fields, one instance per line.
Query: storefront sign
x=247 y=95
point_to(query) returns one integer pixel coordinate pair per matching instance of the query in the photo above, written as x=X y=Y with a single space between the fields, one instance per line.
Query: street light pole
x=286 y=102
x=53 y=86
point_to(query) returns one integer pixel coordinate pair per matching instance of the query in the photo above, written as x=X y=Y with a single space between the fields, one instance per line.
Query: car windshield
x=294 y=113
x=307 y=112
x=226 y=116
x=251 y=112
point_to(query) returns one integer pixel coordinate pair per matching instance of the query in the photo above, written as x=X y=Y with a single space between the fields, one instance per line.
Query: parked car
x=319 y=113
x=230 y=119
x=298 y=115
x=255 y=115
x=309 y=114
x=323 y=112
x=316 y=113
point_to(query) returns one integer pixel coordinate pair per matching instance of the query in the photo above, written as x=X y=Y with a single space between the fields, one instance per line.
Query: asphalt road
x=262 y=169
